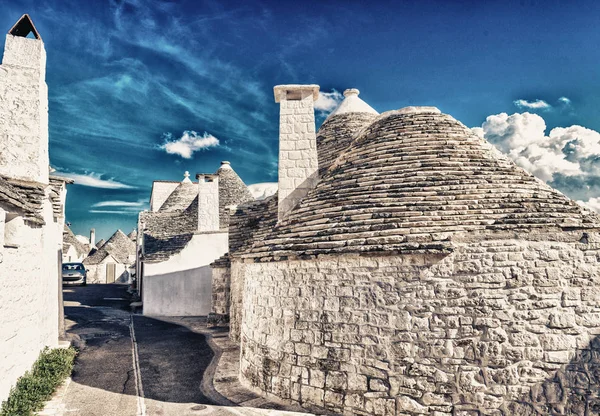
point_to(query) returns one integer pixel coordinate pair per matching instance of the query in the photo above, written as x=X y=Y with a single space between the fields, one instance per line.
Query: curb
x=55 y=406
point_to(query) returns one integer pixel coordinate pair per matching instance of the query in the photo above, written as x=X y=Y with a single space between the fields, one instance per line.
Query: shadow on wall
x=574 y=390
x=173 y=359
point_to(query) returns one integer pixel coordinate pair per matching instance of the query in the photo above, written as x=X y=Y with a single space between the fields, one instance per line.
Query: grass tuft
x=35 y=387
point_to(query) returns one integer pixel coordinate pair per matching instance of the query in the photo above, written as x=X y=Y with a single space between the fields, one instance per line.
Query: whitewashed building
x=110 y=263
x=31 y=210
x=185 y=230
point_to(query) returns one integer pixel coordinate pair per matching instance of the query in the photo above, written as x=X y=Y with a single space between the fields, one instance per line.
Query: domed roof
x=338 y=130
x=411 y=180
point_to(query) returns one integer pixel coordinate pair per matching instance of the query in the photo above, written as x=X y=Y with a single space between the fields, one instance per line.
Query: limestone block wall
x=236 y=297
x=29 y=304
x=221 y=281
x=499 y=327
x=24 y=110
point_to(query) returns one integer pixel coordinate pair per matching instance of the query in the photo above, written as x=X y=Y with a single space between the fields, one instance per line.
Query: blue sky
x=128 y=77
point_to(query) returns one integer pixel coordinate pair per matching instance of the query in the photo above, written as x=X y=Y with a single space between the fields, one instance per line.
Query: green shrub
x=36 y=386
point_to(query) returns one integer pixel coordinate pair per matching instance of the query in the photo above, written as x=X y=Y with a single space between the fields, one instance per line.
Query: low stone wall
x=221 y=281
x=237 y=277
x=498 y=327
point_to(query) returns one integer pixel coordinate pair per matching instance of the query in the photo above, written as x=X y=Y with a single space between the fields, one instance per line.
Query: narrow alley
x=135 y=365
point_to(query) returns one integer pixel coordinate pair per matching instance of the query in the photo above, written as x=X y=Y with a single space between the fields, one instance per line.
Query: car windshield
x=72 y=266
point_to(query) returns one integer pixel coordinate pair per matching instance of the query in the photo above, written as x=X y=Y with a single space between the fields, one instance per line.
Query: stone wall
x=237 y=284
x=221 y=281
x=29 y=306
x=497 y=327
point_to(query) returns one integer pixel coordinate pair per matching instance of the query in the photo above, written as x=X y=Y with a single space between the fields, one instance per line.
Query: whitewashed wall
x=28 y=299
x=181 y=286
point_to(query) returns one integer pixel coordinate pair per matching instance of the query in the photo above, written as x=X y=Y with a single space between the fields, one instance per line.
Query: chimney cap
x=351 y=91
x=281 y=91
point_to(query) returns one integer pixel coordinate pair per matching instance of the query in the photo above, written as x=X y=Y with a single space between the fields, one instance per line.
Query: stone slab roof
x=26 y=197
x=409 y=182
x=336 y=134
x=252 y=222
x=69 y=239
x=181 y=198
x=100 y=243
x=223 y=261
x=232 y=191
x=119 y=246
x=167 y=233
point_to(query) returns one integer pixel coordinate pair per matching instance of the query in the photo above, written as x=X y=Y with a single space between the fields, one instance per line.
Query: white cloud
x=564 y=100
x=188 y=143
x=569 y=151
x=328 y=101
x=592 y=203
x=97 y=211
x=532 y=105
x=94 y=180
x=139 y=203
x=262 y=190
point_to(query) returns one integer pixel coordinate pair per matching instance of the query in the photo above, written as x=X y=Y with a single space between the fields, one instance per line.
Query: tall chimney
x=24 y=109
x=298 y=159
x=92 y=237
x=208 y=202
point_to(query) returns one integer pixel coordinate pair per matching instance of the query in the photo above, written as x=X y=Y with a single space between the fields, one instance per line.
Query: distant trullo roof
x=409 y=181
x=119 y=246
x=100 y=243
x=182 y=197
x=69 y=239
x=232 y=192
x=132 y=235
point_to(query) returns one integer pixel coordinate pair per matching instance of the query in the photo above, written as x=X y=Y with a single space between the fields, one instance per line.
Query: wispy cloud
x=117 y=203
x=113 y=212
x=542 y=105
x=532 y=105
x=95 y=180
x=328 y=101
x=188 y=143
x=564 y=100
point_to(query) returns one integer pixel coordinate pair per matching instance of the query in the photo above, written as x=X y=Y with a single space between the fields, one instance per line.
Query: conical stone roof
x=232 y=191
x=181 y=198
x=118 y=245
x=412 y=180
x=342 y=125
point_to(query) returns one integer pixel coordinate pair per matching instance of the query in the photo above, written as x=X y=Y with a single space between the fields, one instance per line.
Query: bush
x=36 y=386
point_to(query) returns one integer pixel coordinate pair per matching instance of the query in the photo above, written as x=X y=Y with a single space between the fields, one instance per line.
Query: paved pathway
x=136 y=365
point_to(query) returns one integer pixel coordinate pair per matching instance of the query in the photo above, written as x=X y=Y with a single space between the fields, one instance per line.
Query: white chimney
x=24 y=109
x=298 y=159
x=93 y=237
x=208 y=202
